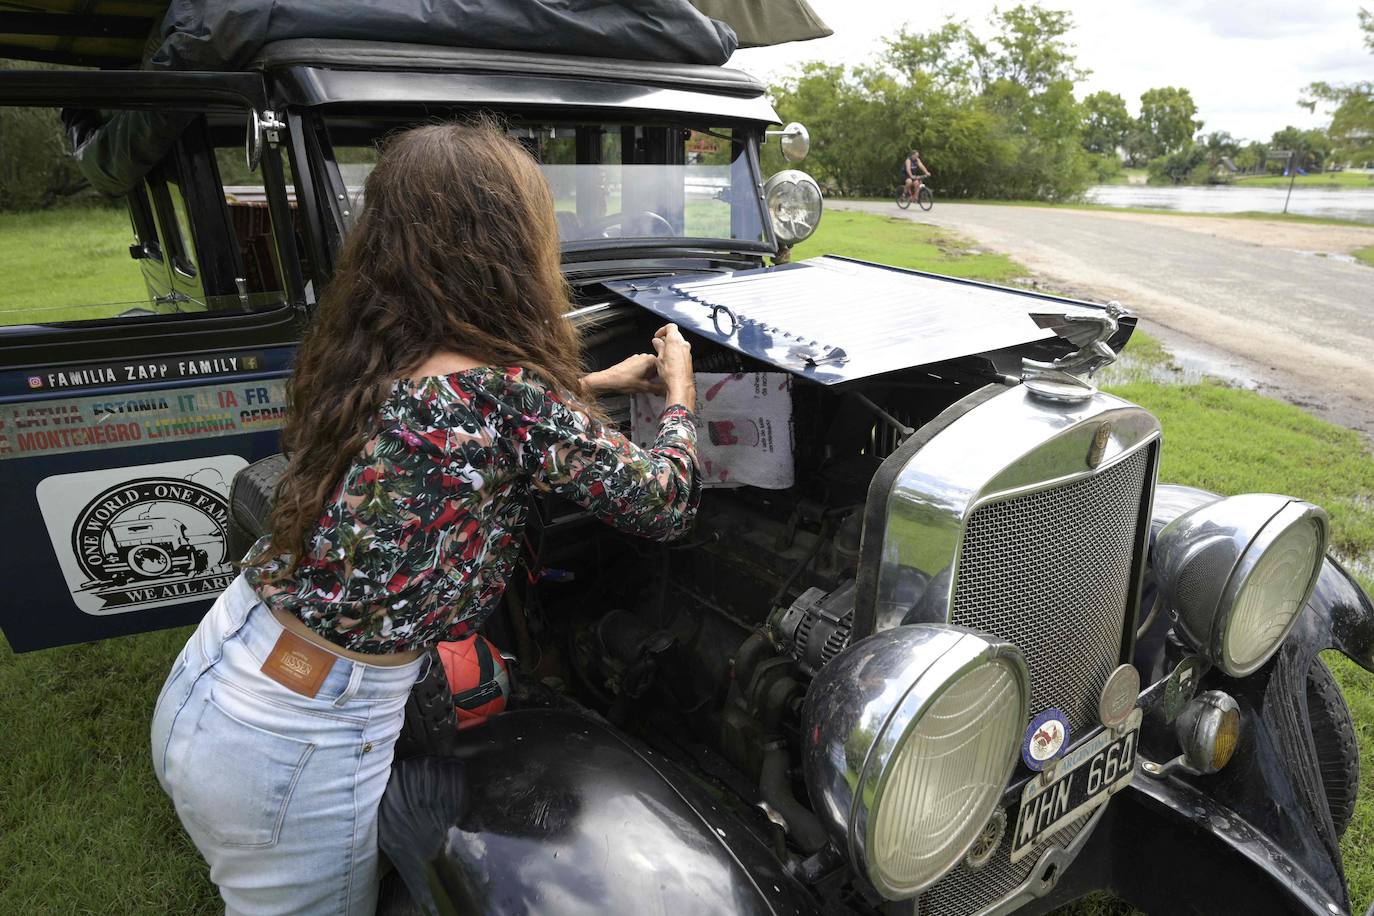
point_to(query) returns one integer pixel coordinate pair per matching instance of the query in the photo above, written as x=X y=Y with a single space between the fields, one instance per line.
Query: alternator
x=816 y=627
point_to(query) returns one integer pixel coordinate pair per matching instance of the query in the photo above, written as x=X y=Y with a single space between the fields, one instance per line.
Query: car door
x=145 y=340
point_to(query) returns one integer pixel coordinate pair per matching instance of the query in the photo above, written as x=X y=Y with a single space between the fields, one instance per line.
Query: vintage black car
x=958 y=652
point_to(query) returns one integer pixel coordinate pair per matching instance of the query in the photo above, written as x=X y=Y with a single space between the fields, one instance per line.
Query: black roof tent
x=125 y=34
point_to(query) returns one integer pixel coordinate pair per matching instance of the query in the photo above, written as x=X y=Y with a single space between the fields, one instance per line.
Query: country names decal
x=75 y=424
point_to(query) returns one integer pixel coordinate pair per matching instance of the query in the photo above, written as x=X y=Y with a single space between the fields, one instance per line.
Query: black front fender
x=1256 y=837
x=1265 y=815
x=545 y=811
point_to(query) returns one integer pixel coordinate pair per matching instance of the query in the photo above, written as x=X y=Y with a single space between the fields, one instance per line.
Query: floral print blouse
x=425 y=528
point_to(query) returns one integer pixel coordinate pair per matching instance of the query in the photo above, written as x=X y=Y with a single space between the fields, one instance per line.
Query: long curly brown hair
x=455 y=248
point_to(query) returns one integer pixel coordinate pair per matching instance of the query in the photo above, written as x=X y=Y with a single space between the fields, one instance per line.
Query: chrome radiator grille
x=1051 y=571
x=963 y=891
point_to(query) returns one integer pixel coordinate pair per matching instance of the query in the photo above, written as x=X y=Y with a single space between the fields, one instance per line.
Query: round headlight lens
x=944 y=779
x=794 y=205
x=1272 y=596
x=1236 y=573
x=911 y=735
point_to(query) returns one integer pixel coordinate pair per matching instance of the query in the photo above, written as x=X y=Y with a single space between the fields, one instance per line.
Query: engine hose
x=776 y=789
x=797 y=570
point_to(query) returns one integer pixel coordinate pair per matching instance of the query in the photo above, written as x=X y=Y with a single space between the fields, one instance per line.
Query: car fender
x=550 y=811
x=1273 y=785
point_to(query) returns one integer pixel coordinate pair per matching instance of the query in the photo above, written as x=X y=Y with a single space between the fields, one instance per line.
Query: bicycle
x=925 y=199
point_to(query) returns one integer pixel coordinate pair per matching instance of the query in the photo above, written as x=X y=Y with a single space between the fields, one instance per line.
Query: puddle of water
x=1182 y=366
x=1362 y=567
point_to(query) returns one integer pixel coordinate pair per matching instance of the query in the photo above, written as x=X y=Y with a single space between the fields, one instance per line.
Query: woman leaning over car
x=438 y=386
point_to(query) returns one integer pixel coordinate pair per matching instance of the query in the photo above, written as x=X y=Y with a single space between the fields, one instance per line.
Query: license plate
x=1082 y=780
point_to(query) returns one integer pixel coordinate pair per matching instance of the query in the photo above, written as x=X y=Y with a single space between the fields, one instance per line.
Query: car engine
x=703 y=647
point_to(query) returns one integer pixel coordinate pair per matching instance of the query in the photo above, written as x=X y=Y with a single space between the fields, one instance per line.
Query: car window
x=70 y=253
x=246 y=198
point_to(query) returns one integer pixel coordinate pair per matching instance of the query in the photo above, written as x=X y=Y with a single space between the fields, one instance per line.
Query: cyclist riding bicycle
x=912 y=186
x=913 y=170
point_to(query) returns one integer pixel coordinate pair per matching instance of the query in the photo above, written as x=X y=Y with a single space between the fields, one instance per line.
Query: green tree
x=1167 y=121
x=37 y=170
x=1312 y=147
x=1029 y=49
x=994 y=117
x=1351 y=132
x=1106 y=123
x=1253 y=156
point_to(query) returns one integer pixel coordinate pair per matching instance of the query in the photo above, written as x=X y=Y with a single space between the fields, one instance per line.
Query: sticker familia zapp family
x=141 y=537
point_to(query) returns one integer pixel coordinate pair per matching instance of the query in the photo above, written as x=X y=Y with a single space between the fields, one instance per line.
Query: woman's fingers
x=670 y=332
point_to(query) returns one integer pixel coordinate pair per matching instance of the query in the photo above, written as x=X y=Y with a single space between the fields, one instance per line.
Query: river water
x=1347 y=203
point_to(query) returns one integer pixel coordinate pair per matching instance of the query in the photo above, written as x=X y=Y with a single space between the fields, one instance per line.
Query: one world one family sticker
x=141 y=537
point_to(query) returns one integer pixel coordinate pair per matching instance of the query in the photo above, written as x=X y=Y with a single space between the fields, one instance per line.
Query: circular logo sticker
x=1046 y=738
x=1118 y=696
x=150 y=539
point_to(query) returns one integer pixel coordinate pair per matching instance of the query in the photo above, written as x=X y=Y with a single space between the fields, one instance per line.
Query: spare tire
x=250 y=503
x=1333 y=733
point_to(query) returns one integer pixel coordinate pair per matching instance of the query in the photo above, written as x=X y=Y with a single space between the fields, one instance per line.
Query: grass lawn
x=84 y=828
x=902 y=242
x=67 y=265
x=1365 y=255
x=1328 y=180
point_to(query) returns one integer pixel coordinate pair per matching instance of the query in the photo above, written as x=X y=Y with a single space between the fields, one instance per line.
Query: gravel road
x=1261 y=302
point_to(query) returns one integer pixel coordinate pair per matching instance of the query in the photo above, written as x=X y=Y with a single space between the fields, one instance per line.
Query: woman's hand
x=675 y=366
x=638 y=374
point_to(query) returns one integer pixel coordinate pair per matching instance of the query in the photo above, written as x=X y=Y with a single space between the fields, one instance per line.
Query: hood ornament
x=1064 y=379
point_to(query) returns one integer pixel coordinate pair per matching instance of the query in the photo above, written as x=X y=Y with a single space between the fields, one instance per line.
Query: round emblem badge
x=1118 y=696
x=1046 y=738
x=987 y=841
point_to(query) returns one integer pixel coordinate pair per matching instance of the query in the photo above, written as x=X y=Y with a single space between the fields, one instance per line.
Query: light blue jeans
x=279 y=792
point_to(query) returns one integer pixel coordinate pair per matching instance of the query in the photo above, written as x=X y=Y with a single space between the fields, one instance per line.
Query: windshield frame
x=385 y=122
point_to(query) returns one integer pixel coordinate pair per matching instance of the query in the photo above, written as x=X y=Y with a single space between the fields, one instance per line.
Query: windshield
x=614 y=181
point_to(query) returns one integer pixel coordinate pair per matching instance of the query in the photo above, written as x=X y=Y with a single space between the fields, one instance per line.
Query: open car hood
x=833 y=319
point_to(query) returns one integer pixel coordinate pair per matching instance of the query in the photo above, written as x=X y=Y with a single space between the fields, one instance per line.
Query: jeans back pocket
x=237 y=778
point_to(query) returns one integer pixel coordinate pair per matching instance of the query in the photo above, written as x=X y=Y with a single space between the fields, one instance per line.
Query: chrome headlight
x=911 y=735
x=794 y=205
x=1237 y=572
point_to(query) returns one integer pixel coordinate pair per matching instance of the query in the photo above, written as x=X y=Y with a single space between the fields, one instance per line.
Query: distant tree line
x=998 y=118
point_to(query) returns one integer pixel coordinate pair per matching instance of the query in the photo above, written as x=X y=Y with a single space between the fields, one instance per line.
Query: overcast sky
x=1244 y=62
